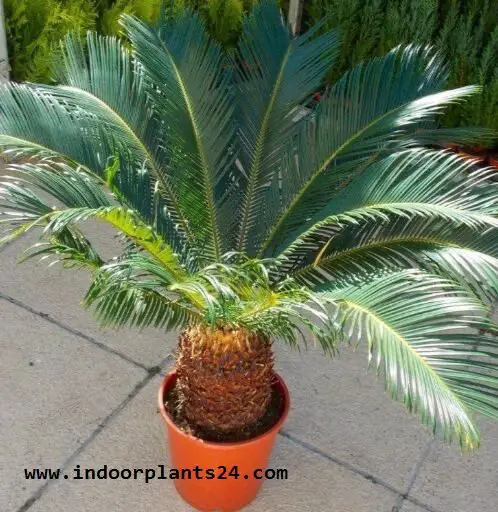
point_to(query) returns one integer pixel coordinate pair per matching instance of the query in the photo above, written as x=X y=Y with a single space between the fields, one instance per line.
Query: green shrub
x=464 y=30
x=224 y=18
x=147 y=10
x=470 y=40
x=34 y=27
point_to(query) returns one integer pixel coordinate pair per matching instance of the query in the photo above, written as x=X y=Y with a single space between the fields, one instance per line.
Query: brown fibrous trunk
x=225 y=378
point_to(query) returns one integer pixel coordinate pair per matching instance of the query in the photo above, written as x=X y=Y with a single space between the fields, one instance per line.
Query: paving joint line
x=48 y=318
x=413 y=477
x=361 y=472
x=420 y=504
x=93 y=435
x=350 y=467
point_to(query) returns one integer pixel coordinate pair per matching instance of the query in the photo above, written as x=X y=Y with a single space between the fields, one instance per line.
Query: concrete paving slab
x=135 y=438
x=450 y=481
x=55 y=390
x=411 y=507
x=58 y=292
x=340 y=408
x=317 y=485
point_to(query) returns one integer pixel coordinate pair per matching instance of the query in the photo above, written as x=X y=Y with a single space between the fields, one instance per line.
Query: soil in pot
x=270 y=418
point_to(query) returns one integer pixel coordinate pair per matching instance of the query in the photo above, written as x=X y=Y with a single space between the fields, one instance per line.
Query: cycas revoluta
x=243 y=225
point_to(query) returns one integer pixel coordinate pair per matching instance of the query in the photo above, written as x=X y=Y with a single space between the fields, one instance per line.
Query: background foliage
x=465 y=30
x=34 y=27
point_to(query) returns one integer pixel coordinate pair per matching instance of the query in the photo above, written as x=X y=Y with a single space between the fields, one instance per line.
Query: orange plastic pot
x=219 y=489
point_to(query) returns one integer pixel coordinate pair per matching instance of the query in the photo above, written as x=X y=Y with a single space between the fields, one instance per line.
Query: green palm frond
x=277 y=72
x=421 y=332
x=25 y=209
x=32 y=122
x=126 y=222
x=89 y=83
x=408 y=195
x=82 y=198
x=37 y=124
x=470 y=268
x=455 y=256
x=190 y=85
x=88 y=76
x=132 y=302
x=372 y=111
x=69 y=247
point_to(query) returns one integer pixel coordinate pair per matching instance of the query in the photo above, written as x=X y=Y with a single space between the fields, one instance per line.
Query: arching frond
x=80 y=198
x=277 y=72
x=372 y=111
x=421 y=334
x=32 y=122
x=37 y=122
x=452 y=253
x=69 y=247
x=103 y=79
x=190 y=85
x=134 y=303
x=439 y=189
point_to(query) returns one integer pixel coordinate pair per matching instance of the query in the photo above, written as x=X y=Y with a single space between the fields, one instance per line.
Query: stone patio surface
x=73 y=394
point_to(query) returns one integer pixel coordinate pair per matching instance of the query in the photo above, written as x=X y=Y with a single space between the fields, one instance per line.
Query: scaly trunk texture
x=225 y=377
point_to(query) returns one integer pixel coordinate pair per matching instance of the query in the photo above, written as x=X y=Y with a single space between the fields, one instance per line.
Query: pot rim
x=170 y=378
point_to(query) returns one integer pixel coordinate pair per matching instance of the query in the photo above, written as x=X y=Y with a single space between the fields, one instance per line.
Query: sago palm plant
x=246 y=218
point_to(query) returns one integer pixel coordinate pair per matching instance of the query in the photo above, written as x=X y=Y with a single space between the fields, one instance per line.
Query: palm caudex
x=240 y=212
